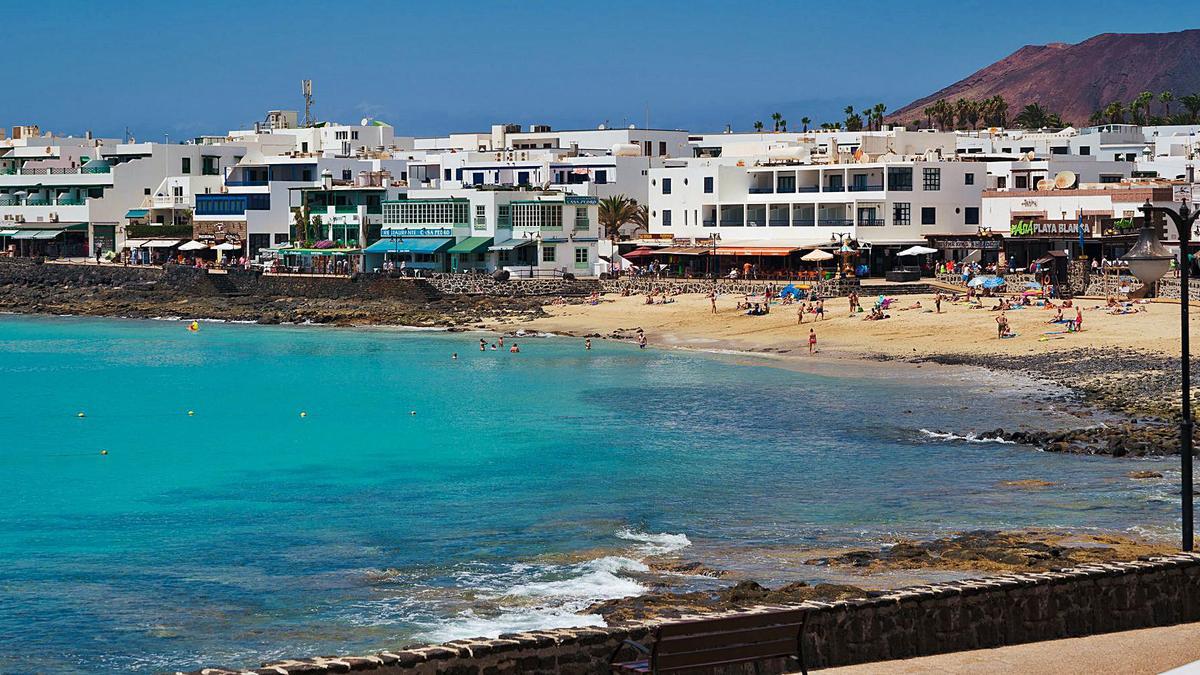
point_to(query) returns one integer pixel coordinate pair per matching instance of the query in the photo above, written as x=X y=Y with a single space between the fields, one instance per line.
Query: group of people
x=498 y=345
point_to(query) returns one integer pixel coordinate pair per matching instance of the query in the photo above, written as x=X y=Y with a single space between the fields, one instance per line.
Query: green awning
x=137 y=213
x=471 y=245
x=410 y=245
x=36 y=234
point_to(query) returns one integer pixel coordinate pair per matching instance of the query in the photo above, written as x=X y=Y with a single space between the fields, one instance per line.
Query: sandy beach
x=688 y=322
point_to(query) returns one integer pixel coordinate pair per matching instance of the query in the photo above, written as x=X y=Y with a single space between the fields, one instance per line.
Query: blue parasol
x=989 y=281
x=1034 y=285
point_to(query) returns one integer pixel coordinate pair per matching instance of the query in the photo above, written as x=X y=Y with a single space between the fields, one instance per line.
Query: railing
x=732 y=223
x=169 y=201
x=345 y=209
x=55 y=171
x=804 y=223
x=70 y=202
x=37 y=201
x=866 y=188
x=871 y=222
x=778 y=222
x=785 y=189
x=761 y=190
x=900 y=188
x=808 y=188
x=709 y=223
x=8 y=200
x=834 y=221
x=834 y=188
x=246 y=183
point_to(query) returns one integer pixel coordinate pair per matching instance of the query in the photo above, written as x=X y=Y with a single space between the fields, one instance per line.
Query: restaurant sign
x=210 y=232
x=969 y=244
x=1029 y=228
x=398 y=232
x=581 y=200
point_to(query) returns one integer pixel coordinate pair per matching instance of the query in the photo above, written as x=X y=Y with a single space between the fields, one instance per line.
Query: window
x=1002 y=182
x=582 y=221
x=1059 y=150
x=480 y=216
x=581 y=256
x=281 y=238
x=548 y=254
x=502 y=256
x=1110 y=178
x=504 y=218
x=539 y=215
x=601 y=176
x=971 y=215
x=666 y=218
x=1021 y=182
x=477 y=178
x=187 y=165
x=968 y=179
x=426 y=213
x=354 y=135
x=446 y=174
x=1085 y=150
x=932 y=179
x=306 y=175
x=900 y=178
x=347 y=175
x=928 y=215
x=708 y=185
x=902 y=213
x=146 y=191
x=1027 y=148
x=662 y=148
x=666 y=186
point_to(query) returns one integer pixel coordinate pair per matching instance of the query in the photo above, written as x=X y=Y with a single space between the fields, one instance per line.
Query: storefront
x=53 y=240
x=470 y=254
x=984 y=247
x=422 y=248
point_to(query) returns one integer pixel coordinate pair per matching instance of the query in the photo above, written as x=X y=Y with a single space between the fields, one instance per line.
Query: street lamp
x=713 y=268
x=1149 y=260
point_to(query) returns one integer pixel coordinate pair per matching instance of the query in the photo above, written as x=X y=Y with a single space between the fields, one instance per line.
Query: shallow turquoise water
x=525 y=486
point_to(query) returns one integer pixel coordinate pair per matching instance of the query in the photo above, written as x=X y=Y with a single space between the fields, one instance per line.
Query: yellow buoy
x=104 y=452
x=303 y=414
x=80 y=415
x=191 y=413
x=194 y=326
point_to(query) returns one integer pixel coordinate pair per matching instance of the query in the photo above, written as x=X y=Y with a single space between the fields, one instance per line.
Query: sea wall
x=1169 y=288
x=830 y=288
x=971 y=614
x=476 y=284
x=33 y=272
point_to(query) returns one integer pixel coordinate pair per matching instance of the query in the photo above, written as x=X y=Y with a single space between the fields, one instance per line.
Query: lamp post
x=712 y=260
x=1149 y=260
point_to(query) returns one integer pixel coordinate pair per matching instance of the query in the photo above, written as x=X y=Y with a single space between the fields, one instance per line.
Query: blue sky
x=185 y=68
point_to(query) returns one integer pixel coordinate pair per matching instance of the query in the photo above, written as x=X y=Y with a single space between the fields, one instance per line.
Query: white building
x=649 y=142
x=833 y=144
x=777 y=208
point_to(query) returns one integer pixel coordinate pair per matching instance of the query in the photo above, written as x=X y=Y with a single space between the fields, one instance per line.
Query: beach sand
x=909 y=333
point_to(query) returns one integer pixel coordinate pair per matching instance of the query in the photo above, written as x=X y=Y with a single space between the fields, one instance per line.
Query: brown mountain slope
x=1075 y=80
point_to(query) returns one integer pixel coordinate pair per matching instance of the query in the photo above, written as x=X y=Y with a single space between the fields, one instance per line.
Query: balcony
x=67 y=201
x=867 y=188
x=244 y=183
x=710 y=223
x=758 y=190
x=808 y=188
x=837 y=222
x=871 y=222
x=170 y=202
x=732 y=223
x=777 y=222
x=37 y=201
x=803 y=222
x=9 y=200
x=834 y=188
x=345 y=209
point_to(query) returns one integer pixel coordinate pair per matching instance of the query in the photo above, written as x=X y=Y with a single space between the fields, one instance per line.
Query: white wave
x=588 y=582
x=656 y=544
x=970 y=437
x=468 y=624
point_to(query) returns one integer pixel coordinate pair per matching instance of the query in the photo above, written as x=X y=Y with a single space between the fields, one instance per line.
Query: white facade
x=878 y=203
x=648 y=142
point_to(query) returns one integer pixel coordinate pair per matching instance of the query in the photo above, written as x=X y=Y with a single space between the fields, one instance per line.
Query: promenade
x=1135 y=652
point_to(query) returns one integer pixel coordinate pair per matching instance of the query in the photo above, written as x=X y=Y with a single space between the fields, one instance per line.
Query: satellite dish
x=1045 y=184
x=1065 y=180
x=1030 y=156
x=364 y=122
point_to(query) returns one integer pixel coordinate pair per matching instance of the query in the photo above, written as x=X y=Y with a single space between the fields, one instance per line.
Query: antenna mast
x=306 y=89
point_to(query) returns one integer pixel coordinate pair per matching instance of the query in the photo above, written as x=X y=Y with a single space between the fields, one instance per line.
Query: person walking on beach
x=712 y=299
x=820 y=310
x=937 y=302
x=1001 y=325
x=1078 y=319
x=641 y=340
x=800 y=314
x=812 y=340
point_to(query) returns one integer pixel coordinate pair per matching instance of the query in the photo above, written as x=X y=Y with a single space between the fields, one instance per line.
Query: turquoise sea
x=426 y=498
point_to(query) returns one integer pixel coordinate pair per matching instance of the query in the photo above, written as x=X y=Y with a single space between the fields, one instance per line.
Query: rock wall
x=1169 y=288
x=826 y=289
x=473 y=284
x=33 y=272
x=922 y=620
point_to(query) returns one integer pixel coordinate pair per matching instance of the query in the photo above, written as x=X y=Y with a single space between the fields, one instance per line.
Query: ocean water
x=424 y=498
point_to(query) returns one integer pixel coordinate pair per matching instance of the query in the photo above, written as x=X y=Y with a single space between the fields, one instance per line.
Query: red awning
x=754 y=250
x=639 y=252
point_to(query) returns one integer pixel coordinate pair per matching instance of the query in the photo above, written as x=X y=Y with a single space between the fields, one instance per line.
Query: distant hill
x=1076 y=80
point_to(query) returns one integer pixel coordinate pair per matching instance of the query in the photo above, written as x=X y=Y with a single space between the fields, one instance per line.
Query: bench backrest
x=731 y=639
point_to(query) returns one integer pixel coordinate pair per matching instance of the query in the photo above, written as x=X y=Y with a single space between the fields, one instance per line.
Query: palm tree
x=805 y=121
x=615 y=212
x=641 y=218
x=758 y=126
x=854 y=121
x=997 y=115
x=1115 y=112
x=1033 y=116
x=1096 y=118
x=1140 y=106
x=929 y=112
x=1166 y=97
x=776 y=117
x=1191 y=103
x=878 y=111
x=300 y=221
x=783 y=125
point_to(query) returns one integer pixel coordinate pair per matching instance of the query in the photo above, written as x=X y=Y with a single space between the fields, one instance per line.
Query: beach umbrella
x=227 y=247
x=1034 y=285
x=193 y=246
x=993 y=282
x=791 y=290
x=817 y=255
x=916 y=250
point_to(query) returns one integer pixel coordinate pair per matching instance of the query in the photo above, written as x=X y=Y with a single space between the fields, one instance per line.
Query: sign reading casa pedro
x=582 y=200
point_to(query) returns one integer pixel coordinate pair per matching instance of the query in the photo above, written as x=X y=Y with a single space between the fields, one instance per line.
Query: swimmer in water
x=587 y=344
x=514 y=349
x=493 y=346
x=454 y=356
x=482 y=345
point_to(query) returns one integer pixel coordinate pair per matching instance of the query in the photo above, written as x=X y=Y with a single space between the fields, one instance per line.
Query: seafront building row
x=343 y=198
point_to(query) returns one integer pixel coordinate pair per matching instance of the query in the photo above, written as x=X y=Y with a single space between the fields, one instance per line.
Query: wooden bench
x=710 y=643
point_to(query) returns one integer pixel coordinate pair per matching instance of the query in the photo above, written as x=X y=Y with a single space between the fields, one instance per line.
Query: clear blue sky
x=186 y=68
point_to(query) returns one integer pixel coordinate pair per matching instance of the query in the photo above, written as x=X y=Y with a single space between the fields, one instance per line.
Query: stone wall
x=1169 y=288
x=971 y=614
x=475 y=284
x=33 y=272
x=826 y=289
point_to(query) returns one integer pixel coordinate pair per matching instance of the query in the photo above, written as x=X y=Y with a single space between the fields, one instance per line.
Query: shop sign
x=218 y=232
x=394 y=232
x=969 y=244
x=582 y=200
x=1029 y=228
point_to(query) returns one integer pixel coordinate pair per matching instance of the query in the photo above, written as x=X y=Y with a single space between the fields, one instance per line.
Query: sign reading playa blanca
x=1029 y=228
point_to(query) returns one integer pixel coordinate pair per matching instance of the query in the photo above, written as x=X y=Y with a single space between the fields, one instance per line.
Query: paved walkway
x=1148 y=651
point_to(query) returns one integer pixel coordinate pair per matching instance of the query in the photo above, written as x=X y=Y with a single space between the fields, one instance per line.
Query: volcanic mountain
x=1076 y=80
